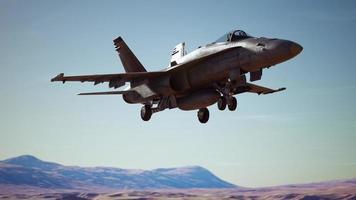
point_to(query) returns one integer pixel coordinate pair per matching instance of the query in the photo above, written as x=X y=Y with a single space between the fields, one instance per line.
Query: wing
x=105 y=93
x=260 y=89
x=114 y=80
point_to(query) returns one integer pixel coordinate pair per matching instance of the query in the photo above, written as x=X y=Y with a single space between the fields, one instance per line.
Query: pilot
x=238 y=35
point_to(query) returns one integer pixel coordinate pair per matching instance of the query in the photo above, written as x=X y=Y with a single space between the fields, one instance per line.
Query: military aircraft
x=211 y=74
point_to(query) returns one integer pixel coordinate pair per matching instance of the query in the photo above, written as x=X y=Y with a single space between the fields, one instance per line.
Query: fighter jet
x=211 y=74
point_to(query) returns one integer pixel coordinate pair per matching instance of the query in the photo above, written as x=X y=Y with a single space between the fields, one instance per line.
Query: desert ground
x=306 y=192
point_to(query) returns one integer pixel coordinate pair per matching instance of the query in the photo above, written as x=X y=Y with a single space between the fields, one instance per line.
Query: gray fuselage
x=215 y=63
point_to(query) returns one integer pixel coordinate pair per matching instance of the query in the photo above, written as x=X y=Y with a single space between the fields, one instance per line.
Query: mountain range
x=30 y=171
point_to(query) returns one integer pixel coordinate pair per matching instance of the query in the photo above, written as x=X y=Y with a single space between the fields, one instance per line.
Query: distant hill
x=30 y=171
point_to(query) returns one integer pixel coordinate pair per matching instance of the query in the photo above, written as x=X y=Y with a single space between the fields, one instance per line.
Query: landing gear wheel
x=232 y=104
x=203 y=115
x=222 y=103
x=146 y=112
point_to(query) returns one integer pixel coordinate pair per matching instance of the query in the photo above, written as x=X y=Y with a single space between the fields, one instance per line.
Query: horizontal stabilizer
x=105 y=93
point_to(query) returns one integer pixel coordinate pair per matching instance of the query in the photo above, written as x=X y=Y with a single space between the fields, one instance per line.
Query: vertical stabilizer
x=128 y=59
x=178 y=52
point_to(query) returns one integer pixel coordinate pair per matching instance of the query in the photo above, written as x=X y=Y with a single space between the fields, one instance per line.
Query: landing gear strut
x=146 y=112
x=203 y=115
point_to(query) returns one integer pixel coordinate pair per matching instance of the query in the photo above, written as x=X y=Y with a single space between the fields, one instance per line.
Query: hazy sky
x=306 y=133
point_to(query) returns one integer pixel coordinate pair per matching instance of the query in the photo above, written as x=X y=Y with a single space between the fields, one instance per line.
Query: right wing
x=260 y=89
x=114 y=80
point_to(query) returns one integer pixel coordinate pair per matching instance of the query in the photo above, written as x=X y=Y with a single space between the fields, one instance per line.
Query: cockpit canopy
x=233 y=36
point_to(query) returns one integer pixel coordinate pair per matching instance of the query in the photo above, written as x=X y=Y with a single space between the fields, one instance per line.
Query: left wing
x=114 y=80
x=106 y=93
x=261 y=90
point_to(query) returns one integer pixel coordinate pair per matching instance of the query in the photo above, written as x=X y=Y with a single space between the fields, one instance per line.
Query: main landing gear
x=203 y=115
x=155 y=106
x=146 y=112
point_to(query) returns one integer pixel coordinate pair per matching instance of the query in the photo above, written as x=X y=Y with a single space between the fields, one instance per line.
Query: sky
x=304 y=134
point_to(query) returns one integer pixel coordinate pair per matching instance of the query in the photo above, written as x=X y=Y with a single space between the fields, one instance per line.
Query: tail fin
x=178 y=52
x=128 y=59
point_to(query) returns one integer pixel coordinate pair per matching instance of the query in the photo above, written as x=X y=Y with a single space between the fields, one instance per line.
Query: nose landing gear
x=227 y=92
x=230 y=101
x=222 y=103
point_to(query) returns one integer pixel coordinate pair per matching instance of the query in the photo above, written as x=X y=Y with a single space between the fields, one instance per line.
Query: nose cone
x=294 y=48
x=282 y=50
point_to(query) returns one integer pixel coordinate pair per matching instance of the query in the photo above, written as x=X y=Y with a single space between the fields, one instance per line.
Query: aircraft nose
x=294 y=48
x=282 y=50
